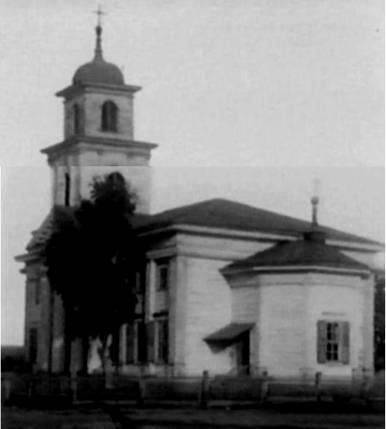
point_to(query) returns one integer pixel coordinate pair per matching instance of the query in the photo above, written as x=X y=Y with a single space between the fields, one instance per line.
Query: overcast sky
x=248 y=100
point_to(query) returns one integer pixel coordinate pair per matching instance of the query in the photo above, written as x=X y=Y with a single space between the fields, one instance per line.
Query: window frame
x=333 y=342
x=161 y=348
x=162 y=280
x=109 y=116
x=37 y=292
x=76 y=119
x=67 y=189
x=33 y=345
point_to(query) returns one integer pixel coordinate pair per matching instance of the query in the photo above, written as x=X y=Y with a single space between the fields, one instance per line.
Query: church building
x=228 y=288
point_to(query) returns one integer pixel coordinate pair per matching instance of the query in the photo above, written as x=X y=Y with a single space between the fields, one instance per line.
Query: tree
x=92 y=257
x=379 y=322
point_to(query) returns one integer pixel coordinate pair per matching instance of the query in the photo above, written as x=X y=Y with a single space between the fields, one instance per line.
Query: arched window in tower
x=109 y=116
x=67 y=189
x=76 y=118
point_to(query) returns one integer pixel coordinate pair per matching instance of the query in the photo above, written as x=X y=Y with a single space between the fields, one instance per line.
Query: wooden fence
x=200 y=390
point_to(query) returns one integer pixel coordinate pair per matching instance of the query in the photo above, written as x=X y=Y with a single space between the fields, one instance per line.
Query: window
x=141 y=342
x=162 y=337
x=33 y=345
x=109 y=116
x=76 y=118
x=37 y=290
x=140 y=280
x=136 y=342
x=147 y=342
x=162 y=275
x=333 y=341
x=67 y=189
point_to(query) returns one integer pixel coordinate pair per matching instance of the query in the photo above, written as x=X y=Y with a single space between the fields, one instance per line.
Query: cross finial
x=99 y=13
x=98 y=30
x=315 y=202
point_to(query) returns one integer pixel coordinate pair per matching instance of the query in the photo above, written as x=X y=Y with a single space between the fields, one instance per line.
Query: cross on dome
x=99 y=12
x=98 y=30
x=98 y=70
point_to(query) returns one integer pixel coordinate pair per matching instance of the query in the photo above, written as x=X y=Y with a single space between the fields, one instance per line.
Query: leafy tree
x=92 y=257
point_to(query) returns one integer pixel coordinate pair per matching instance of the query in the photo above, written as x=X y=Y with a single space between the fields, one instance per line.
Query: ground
x=114 y=416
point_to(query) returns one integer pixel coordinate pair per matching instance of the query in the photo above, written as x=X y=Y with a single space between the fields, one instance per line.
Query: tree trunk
x=85 y=349
x=67 y=341
x=106 y=363
x=51 y=327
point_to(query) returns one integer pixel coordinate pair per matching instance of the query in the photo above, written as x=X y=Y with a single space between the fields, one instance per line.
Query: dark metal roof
x=99 y=71
x=229 y=332
x=298 y=253
x=226 y=214
x=217 y=213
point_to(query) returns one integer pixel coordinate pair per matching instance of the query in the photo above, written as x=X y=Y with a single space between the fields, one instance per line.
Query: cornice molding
x=73 y=90
x=130 y=146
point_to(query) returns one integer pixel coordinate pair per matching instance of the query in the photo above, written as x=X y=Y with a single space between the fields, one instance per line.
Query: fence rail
x=193 y=389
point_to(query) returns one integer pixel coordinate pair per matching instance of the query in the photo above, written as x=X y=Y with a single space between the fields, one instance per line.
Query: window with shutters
x=136 y=344
x=147 y=342
x=333 y=341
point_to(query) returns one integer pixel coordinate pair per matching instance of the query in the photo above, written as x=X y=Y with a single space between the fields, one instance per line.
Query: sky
x=248 y=100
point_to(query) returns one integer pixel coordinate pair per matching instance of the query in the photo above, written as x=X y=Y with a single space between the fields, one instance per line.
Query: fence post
x=29 y=387
x=74 y=388
x=7 y=387
x=264 y=387
x=204 y=390
x=318 y=379
x=365 y=386
x=141 y=391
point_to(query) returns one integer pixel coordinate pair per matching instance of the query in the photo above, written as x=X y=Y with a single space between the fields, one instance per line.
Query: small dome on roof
x=98 y=70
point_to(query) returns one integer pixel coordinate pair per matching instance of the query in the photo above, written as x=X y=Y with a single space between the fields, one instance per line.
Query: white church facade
x=227 y=288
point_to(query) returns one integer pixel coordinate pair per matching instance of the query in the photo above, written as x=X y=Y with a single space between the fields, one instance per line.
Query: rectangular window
x=140 y=280
x=162 y=340
x=67 y=189
x=37 y=290
x=147 y=342
x=136 y=344
x=162 y=275
x=333 y=341
x=141 y=342
x=130 y=343
x=33 y=345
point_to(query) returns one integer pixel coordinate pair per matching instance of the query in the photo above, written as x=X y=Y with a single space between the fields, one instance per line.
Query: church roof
x=298 y=253
x=227 y=214
x=220 y=214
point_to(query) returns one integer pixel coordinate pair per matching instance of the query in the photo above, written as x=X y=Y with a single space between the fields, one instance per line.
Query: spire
x=98 y=31
x=315 y=203
x=315 y=234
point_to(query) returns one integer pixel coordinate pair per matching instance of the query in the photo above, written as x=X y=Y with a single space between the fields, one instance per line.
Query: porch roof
x=229 y=332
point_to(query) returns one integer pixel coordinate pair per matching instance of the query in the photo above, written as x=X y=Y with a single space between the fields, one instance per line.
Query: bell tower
x=98 y=134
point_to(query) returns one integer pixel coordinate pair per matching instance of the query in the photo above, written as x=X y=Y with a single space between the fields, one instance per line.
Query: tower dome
x=98 y=70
